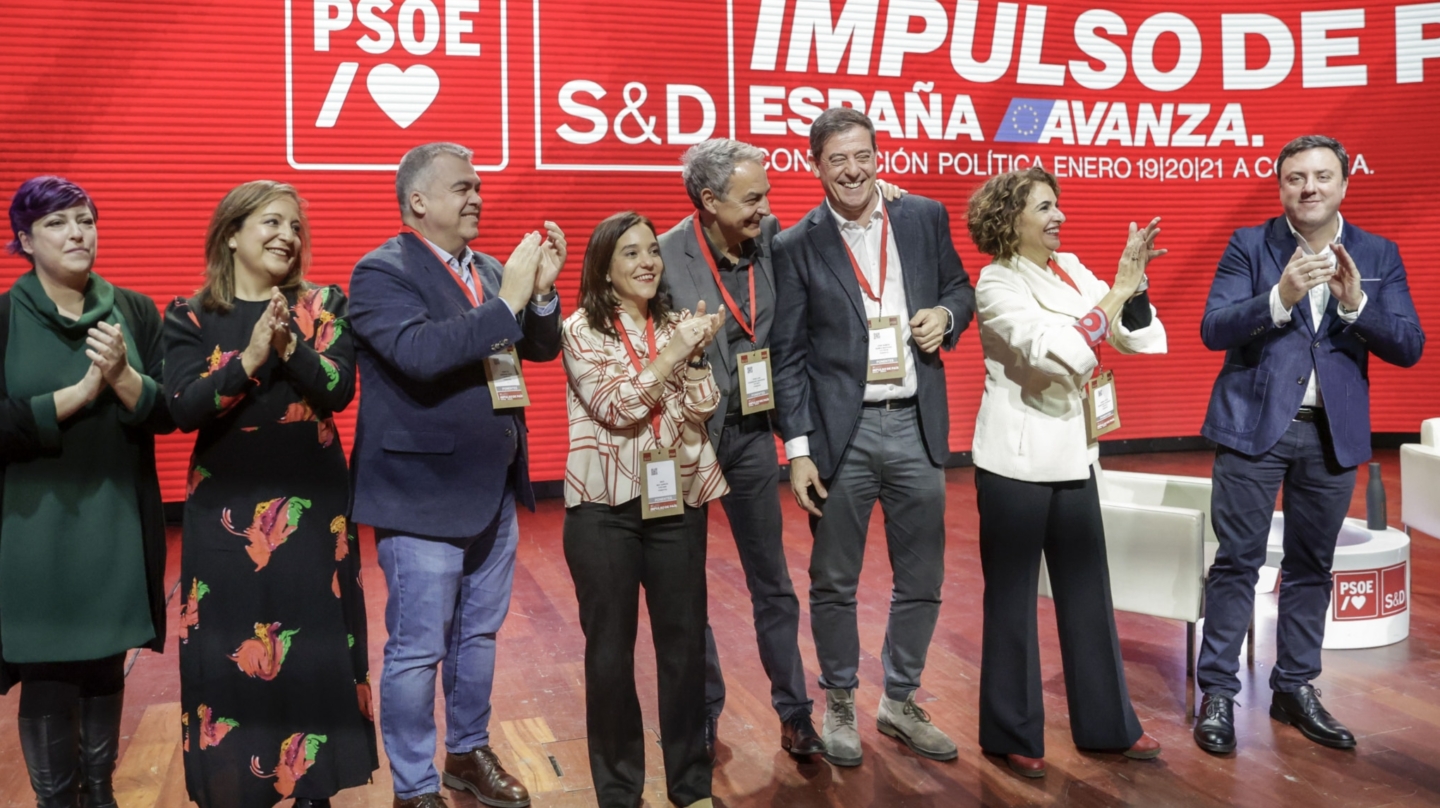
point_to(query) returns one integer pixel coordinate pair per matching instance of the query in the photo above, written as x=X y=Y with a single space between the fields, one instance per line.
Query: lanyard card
x=886 y=358
x=1102 y=411
x=660 y=484
x=756 y=389
x=506 y=382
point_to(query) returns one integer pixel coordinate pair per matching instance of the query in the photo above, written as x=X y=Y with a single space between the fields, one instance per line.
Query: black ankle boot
x=51 y=747
x=99 y=746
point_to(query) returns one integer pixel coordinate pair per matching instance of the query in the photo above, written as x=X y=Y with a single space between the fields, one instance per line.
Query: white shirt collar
x=445 y=257
x=1305 y=245
x=841 y=221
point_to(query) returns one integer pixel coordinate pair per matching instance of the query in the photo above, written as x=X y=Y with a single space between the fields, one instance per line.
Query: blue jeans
x=1317 y=497
x=448 y=599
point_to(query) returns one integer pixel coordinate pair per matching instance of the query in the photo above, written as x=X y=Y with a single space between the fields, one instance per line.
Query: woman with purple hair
x=82 y=541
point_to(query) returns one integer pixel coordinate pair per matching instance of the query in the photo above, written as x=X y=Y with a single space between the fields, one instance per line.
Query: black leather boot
x=51 y=748
x=99 y=746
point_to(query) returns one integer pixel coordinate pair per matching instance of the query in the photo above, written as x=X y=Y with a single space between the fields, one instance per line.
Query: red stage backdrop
x=578 y=109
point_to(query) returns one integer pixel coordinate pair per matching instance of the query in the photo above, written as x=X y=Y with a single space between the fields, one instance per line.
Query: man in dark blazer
x=720 y=254
x=438 y=469
x=853 y=259
x=1298 y=304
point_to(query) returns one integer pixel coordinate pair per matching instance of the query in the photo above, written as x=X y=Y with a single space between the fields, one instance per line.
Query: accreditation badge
x=886 y=358
x=1102 y=410
x=660 y=493
x=506 y=382
x=756 y=387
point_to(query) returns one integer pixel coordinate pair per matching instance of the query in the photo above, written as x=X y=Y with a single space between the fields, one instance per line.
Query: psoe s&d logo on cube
x=366 y=80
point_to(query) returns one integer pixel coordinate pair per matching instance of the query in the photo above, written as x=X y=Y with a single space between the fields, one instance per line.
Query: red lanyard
x=749 y=327
x=635 y=360
x=1064 y=276
x=884 y=257
x=475 y=297
x=1054 y=267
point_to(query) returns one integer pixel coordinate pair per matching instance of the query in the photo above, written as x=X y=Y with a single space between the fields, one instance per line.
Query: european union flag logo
x=1024 y=120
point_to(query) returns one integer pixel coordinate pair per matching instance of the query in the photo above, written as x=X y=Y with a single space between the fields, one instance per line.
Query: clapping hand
x=552 y=258
x=1139 y=252
x=521 y=274
x=1345 y=282
x=105 y=346
x=1305 y=272
x=281 y=337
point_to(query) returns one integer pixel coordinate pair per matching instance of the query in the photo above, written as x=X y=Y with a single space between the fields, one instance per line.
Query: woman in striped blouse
x=640 y=392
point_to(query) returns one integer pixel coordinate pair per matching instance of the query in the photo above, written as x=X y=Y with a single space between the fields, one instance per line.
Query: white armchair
x=1420 y=481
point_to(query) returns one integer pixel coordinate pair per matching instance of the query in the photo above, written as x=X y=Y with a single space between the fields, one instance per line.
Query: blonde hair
x=218 y=291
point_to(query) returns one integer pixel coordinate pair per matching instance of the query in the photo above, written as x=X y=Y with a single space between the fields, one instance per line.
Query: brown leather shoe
x=1026 y=766
x=1146 y=748
x=480 y=773
x=431 y=800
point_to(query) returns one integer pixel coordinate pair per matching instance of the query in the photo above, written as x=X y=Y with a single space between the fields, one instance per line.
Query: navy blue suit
x=427 y=436
x=1252 y=416
x=437 y=473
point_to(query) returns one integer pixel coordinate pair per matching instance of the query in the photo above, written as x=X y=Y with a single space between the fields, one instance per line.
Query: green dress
x=72 y=563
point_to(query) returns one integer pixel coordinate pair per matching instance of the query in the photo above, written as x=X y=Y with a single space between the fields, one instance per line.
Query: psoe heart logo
x=366 y=80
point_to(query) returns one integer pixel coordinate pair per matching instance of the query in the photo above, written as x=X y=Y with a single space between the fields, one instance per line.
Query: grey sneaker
x=906 y=721
x=842 y=740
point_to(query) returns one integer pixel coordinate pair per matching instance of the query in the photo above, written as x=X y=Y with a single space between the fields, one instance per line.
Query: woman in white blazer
x=1043 y=316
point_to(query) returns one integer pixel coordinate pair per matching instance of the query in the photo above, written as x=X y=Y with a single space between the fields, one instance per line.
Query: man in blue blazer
x=1298 y=304
x=438 y=469
x=841 y=273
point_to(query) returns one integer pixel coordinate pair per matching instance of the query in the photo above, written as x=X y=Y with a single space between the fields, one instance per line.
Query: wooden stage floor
x=1390 y=697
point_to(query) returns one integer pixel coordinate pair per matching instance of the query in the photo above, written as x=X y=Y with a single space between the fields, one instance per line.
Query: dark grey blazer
x=687 y=280
x=820 y=336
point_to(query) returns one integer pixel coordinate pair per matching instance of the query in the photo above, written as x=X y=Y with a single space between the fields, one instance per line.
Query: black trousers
x=612 y=552
x=747 y=456
x=1018 y=520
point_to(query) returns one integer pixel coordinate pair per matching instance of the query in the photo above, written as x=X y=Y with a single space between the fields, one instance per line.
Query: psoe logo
x=366 y=80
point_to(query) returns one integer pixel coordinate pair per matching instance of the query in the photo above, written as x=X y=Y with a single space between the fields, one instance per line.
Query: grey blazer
x=687 y=280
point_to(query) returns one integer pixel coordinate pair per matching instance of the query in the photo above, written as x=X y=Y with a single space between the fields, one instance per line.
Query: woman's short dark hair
x=597 y=295
x=218 y=292
x=995 y=207
x=39 y=197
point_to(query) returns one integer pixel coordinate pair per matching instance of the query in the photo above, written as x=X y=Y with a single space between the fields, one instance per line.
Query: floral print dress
x=274 y=678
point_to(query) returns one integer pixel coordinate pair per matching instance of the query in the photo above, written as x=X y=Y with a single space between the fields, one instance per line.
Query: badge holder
x=505 y=380
x=885 y=360
x=756 y=382
x=660 y=493
x=1102 y=409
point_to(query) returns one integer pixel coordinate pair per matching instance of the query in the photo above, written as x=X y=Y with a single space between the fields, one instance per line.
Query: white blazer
x=1031 y=424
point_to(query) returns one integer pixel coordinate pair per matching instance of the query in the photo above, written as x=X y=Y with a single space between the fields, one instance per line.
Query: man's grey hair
x=414 y=169
x=1308 y=142
x=710 y=164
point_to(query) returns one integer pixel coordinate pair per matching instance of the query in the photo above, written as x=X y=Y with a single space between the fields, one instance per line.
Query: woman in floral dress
x=273 y=667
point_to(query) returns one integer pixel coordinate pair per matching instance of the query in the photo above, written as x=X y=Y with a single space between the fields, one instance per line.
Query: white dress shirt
x=1319 y=298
